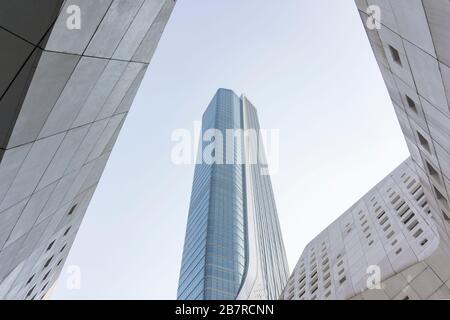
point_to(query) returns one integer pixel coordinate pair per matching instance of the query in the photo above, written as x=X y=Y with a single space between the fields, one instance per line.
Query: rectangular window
x=418 y=233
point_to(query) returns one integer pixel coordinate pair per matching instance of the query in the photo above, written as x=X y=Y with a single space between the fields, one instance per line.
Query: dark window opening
x=72 y=210
x=395 y=55
x=411 y=104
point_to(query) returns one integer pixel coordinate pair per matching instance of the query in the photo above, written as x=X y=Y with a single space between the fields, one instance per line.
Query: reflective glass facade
x=219 y=243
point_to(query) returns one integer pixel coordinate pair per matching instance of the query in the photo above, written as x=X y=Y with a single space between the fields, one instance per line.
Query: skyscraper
x=69 y=74
x=233 y=246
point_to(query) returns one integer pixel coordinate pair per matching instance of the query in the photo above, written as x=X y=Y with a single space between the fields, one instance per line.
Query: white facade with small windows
x=402 y=226
x=412 y=48
x=388 y=238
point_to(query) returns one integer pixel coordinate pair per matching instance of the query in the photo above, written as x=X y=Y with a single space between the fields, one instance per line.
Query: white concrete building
x=412 y=48
x=388 y=238
x=69 y=73
x=402 y=225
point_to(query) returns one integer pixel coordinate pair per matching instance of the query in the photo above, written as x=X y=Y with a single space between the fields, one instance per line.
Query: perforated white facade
x=402 y=226
x=387 y=238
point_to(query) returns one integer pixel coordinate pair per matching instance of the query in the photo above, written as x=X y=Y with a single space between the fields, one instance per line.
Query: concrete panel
x=31 y=212
x=12 y=100
x=74 y=41
x=427 y=77
x=75 y=188
x=87 y=145
x=49 y=80
x=53 y=204
x=10 y=165
x=105 y=137
x=63 y=156
x=387 y=14
x=400 y=68
x=445 y=71
x=437 y=14
x=32 y=169
x=8 y=219
x=75 y=93
x=128 y=99
x=138 y=29
x=7 y=255
x=120 y=89
x=14 y=54
x=101 y=92
x=113 y=27
x=148 y=46
x=29 y=19
x=412 y=23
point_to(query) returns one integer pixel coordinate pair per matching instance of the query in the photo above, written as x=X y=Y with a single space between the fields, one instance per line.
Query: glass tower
x=233 y=246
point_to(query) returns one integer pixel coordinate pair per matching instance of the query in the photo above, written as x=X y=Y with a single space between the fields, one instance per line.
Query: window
x=342 y=280
x=411 y=104
x=67 y=231
x=50 y=245
x=413 y=225
x=408 y=218
x=446 y=217
x=431 y=170
x=440 y=197
x=423 y=141
x=301 y=294
x=31 y=279
x=72 y=210
x=418 y=233
x=59 y=262
x=46 y=276
x=62 y=249
x=45 y=286
x=30 y=292
x=395 y=55
x=48 y=262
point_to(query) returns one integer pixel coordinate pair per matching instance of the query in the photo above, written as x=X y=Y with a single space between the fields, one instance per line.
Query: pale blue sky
x=308 y=68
